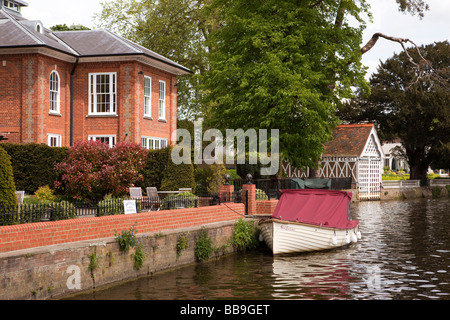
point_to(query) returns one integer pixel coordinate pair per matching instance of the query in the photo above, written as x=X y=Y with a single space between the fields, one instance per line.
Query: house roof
x=349 y=140
x=17 y=32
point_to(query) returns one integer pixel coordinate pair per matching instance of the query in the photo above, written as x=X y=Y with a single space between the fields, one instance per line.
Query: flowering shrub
x=93 y=169
x=44 y=193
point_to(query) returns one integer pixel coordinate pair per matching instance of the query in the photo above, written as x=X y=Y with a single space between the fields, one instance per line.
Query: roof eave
x=39 y=49
x=141 y=57
x=71 y=57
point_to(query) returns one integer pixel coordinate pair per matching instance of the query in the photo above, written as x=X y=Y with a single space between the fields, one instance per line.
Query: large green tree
x=289 y=64
x=284 y=64
x=411 y=104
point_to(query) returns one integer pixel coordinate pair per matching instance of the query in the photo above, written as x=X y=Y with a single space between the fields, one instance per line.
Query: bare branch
x=375 y=38
x=421 y=66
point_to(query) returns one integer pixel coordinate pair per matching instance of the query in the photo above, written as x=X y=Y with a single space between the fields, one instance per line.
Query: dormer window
x=11 y=5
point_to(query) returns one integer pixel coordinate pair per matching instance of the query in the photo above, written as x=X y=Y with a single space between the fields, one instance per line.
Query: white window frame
x=112 y=140
x=55 y=104
x=147 y=98
x=162 y=100
x=54 y=140
x=11 y=5
x=93 y=95
x=153 y=143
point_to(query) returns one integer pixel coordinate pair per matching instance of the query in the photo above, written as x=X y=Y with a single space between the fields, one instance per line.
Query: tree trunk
x=314 y=173
x=418 y=166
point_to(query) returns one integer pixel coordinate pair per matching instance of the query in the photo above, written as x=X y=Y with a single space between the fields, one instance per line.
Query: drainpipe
x=71 y=101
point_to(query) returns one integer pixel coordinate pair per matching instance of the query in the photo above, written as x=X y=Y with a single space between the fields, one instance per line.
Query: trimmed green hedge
x=7 y=186
x=33 y=164
x=178 y=176
x=153 y=171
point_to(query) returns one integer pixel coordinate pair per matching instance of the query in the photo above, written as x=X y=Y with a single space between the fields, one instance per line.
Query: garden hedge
x=33 y=164
x=178 y=176
x=7 y=186
x=155 y=167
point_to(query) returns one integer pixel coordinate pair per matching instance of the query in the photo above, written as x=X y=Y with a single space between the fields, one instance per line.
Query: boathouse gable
x=355 y=151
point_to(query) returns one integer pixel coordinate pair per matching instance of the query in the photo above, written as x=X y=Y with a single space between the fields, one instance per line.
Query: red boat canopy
x=326 y=208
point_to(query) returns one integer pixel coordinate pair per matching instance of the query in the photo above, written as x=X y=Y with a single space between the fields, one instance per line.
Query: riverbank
x=414 y=193
x=52 y=270
x=61 y=270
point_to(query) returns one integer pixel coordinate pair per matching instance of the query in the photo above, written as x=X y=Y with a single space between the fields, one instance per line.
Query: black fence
x=54 y=211
x=272 y=187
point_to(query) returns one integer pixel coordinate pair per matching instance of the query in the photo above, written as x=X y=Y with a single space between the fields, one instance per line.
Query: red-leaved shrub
x=93 y=169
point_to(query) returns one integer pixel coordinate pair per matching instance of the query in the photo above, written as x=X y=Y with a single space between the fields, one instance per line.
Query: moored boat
x=310 y=220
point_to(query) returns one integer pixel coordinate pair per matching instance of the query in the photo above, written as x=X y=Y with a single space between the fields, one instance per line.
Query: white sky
x=435 y=26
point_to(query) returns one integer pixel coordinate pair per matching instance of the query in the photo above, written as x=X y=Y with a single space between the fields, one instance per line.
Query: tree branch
x=421 y=66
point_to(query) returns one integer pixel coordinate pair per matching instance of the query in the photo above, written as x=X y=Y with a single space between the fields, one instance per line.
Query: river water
x=404 y=254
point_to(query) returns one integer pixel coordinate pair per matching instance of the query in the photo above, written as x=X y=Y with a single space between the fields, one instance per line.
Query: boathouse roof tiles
x=349 y=140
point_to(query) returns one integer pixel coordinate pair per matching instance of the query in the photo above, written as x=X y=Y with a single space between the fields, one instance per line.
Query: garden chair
x=136 y=193
x=153 y=198
x=20 y=195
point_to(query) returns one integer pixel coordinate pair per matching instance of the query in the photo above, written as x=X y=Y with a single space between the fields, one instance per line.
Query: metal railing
x=272 y=187
x=397 y=184
x=54 y=211
x=439 y=182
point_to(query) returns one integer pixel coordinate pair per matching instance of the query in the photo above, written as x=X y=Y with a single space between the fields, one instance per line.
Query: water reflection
x=404 y=254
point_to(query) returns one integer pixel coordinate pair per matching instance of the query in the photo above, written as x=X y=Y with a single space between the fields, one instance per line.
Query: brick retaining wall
x=33 y=235
x=60 y=270
x=266 y=207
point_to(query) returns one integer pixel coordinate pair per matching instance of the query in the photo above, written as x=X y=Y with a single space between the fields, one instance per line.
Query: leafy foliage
x=413 y=109
x=209 y=178
x=244 y=236
x=92 y=169
x=139 y=256
x=176 y=29
x=127 y=238
x=33 y=164
x=44 y=193
x=73 y=27
x=203 y=245
x=182 y=244
x=185 y=200
x=413 y=6
x=154 y=168
x=273 y=64
x=178 y=176
x=7 y=186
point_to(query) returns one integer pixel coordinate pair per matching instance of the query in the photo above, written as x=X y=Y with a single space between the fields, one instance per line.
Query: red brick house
x=60 y=87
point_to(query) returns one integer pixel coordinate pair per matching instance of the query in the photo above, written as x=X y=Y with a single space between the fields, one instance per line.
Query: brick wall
x=10 y=94
x=49 y=272
x=32 y=235
x=265 y=207
x=24 y=100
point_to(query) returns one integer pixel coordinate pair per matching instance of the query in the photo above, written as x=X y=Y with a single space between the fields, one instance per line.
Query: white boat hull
x=291 y=237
